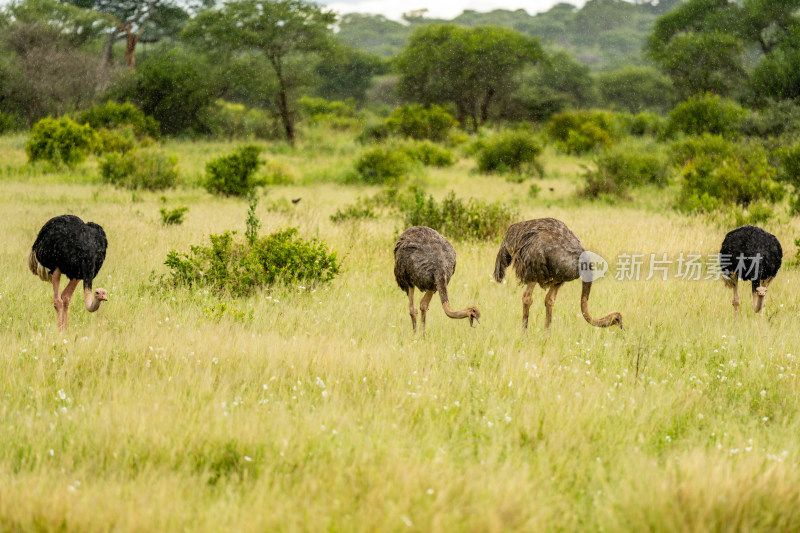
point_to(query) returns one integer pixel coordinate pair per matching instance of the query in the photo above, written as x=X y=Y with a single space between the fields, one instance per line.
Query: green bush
x=234 y=174
x=458 y=219
x=381 y=165
x=711 y=181
x=419 y=122
x=112 y=115
x=622 y=168
x=173 y=217
x=578 y=132
x=775 y=120
x=358 y=211
x=508 y=151
x=116 y=140
x=238 y=268
x=9 y=123
x=707 y=113
x=337 y=114
x=235 y=121
x=643 y=124
x=140 y=169
x=714 y=146
x=60 y=141
x=789 y=173
x=429 y=153
x=374 y=131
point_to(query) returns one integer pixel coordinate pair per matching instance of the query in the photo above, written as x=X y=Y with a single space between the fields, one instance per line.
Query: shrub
x=642 y=124
x=173 y=217
x=419 y=122
x=508 y=151
x=458 y=219
x=375 y=131
x=775 y=120
x=578 y=132
x=174 y=87
x=112 y=115
x=381 y=165
x=622 y=168
x=707 y=113
x=741 y=177
x=140 y=169
x=714 y=146
x=235 y=121
x=789 y=173
x=60 y=141
x=233 y=175
x=236 y=267
x=339 y=115
x=8 y=123
x=117 y=140
x=358 y=211
x=429 y=154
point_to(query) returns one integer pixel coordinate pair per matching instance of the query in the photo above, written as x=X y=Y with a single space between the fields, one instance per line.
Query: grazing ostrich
x=424 y=259
x=750 y=253
x=547 y=252
x=65 y=245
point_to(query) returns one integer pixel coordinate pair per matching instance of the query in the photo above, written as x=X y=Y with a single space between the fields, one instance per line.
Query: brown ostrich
x=547 y=252
x=424 y=259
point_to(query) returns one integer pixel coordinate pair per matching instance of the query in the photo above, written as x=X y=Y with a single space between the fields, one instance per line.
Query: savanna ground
x=316 y=408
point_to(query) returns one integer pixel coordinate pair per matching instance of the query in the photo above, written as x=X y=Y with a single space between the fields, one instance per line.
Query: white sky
x=394 y=9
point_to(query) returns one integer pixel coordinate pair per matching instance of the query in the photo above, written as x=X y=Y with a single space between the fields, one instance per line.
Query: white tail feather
x=37 y=268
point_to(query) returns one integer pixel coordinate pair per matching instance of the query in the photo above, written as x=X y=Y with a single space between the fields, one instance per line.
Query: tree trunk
x=130 y=46
x=283 y=101
x=485 y=105
x=106 y=58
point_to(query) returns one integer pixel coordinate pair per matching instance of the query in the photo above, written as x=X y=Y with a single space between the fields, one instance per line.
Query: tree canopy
x=466 y=67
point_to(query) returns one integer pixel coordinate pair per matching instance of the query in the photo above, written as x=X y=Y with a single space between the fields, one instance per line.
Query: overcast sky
x=438 y=8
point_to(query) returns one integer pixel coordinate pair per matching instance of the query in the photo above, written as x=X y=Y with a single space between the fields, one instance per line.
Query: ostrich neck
x=758 y=302
x=463 y=313
x=603 y=322
x=92 y=303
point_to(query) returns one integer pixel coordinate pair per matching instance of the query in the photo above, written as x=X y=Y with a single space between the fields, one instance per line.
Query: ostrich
x=547 y=252
x=424 y=259
x=65 y=245
x=750 y=253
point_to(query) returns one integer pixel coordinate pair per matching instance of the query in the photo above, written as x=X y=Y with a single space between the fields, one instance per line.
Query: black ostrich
x=750 y=253
x=65 y=245
x=424 y=259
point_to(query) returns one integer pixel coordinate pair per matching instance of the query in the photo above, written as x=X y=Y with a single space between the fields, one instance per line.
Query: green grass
x=166 y=411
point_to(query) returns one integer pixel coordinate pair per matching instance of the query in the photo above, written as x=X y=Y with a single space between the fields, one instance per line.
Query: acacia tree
x=128 y=19
x=467 y=67
x=701 y=44
x=282 y=30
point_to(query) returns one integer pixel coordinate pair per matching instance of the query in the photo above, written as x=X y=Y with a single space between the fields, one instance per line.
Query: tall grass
x=323 y=412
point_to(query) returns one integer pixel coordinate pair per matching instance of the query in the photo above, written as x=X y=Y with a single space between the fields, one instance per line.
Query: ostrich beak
x=475 y=319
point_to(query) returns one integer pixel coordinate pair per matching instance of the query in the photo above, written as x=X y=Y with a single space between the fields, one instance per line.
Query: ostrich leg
x=735 y=286
x=59 y=306
x=66 y=296
x=549 y=301
x=423 y=307
x=527 y=300
x=411 y=310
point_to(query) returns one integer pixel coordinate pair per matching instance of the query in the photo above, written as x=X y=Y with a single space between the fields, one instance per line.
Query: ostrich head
x=94 y=297
x=616 y=319
x=761 y=291
x=473 y=314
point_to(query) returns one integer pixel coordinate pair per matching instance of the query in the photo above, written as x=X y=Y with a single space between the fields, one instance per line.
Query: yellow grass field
x=311 y=409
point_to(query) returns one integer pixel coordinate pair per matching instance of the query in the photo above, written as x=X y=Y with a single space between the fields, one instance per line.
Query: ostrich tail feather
x=37 y=268
x=502 y=262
